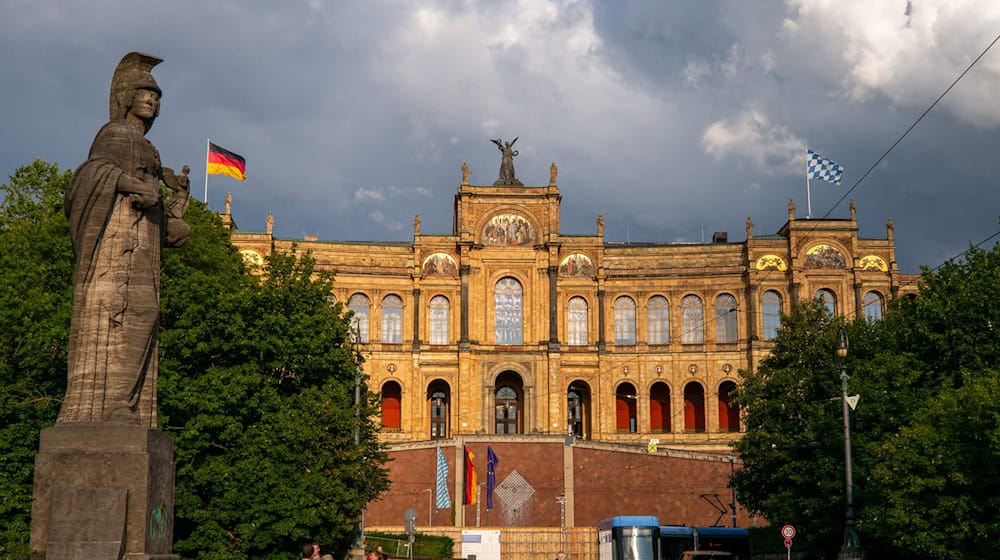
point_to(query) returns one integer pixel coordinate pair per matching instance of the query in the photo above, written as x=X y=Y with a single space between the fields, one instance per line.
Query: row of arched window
x=508 y=317
x=508 y=402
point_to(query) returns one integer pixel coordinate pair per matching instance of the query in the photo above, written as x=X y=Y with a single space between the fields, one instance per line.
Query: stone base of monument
x=103 y=490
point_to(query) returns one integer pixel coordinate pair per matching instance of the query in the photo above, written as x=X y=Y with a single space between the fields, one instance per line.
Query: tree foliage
x=257 y=381
x=925 y=435
x=36 y=295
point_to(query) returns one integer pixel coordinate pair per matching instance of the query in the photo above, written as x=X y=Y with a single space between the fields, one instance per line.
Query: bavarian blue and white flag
x=818 y=167
x=443 y=498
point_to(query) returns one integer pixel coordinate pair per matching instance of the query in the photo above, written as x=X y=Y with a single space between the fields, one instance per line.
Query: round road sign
x=788 y=543
x=788 y=531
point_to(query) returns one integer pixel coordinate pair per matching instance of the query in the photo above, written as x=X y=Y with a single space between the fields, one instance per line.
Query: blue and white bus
x=635 y=537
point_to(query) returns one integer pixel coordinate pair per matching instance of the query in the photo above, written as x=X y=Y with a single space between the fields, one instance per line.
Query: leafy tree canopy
x=925 y=435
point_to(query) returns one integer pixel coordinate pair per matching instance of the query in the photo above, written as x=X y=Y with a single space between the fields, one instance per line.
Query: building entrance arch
x=508 y=404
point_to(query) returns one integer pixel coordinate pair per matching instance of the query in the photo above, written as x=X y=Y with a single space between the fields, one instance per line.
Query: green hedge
x=424 y=546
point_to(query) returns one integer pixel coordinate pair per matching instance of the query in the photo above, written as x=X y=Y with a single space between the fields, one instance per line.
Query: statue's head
x=131 y=75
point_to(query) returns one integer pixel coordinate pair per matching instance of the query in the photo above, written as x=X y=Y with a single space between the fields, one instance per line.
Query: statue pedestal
x=103 y=490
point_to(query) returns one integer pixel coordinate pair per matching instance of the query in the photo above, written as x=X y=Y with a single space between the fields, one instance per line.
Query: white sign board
x=485 y=544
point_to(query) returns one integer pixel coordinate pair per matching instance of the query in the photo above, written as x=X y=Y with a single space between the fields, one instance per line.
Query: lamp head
x=842 y=343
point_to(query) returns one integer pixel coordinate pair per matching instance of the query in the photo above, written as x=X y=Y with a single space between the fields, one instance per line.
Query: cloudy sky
x=672 y=119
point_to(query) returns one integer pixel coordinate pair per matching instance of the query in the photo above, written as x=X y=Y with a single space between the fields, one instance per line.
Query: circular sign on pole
x=788 y=532
x=788 y=543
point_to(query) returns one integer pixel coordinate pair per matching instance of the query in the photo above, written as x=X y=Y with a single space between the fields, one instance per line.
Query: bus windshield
x=637 y=543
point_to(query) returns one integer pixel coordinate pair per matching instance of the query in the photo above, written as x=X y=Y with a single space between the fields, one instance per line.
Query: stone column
x=464 y=273
x=601 y=344
x=416 y=318
x=553 y=309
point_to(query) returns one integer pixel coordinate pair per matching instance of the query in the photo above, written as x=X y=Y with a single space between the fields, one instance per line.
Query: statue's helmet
x=132 y=73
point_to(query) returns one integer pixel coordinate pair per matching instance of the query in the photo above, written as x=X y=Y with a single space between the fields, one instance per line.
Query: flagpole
x=809 y=208
x=208 y=144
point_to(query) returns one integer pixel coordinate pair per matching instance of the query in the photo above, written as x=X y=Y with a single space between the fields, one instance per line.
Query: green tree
x=934 y=483
x=792 y=451
x=36 y=271
x=257 y=389
x=925 y=436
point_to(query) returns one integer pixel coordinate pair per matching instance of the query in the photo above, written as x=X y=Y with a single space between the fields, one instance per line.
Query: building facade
x=508 y=326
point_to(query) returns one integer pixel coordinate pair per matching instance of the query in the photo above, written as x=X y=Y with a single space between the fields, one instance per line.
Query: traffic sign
x=788 y=532
x=788 y=543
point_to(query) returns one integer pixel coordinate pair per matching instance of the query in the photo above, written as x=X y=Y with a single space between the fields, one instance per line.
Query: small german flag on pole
x=221 y=161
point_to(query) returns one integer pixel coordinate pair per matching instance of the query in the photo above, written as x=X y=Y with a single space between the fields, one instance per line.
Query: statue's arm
x=143 y=194
x=178 y=231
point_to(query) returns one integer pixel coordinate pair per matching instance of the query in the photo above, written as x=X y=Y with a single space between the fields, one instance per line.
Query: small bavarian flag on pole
x=818 y=167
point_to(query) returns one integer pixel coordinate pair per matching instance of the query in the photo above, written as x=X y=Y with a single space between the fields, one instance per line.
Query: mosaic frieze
x=508 y=229
x=577 y=264
x=440 y=264
x=824 y=255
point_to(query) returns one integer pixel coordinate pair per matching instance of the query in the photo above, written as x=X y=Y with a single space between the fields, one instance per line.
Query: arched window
x=658 y=317
x=828 y=300
x=576 y=321
x=770 y=311
x=624 y=320
x=725 y=319
x=625 y=417
x=392 y=319
x=873 y=306
x=440 y=316
x=729 y=413
x=437 y=398
x=392 y=399
x=578 y=409
x=692 y=320
x=694 y=407
x=507 y=306
x=659 y=408
x=359 y=305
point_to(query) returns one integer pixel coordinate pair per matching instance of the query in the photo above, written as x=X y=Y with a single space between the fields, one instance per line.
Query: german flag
x=471 y=484
x=223 y=162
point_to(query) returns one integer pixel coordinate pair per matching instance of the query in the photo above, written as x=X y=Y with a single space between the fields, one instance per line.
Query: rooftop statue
x=118 y=223
x=507 y=154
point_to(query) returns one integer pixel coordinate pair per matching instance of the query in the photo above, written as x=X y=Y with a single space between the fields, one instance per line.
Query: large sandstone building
x=557 y=346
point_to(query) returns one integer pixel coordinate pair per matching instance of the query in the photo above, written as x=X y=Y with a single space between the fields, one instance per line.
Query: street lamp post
x=851 y=548
x=358 y=546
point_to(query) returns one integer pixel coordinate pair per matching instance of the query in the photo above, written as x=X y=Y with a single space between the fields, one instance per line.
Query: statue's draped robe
x=507 y=163
x=113 y=333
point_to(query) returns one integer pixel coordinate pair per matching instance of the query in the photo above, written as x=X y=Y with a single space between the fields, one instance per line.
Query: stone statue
x=269 y=220
x=416 y=224
x=600 y=224
x=553 y=172
x=465 y=174
x=749 y=228
x=229 y=203
x=507 y=155
x=118 y=224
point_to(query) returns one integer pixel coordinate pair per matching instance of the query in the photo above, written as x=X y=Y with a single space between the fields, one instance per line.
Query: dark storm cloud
x=671 y=119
